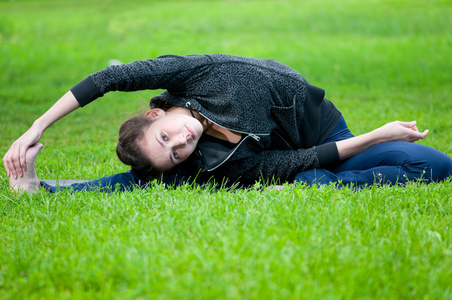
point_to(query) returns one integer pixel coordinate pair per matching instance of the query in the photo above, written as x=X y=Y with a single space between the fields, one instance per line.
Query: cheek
x=189 y=151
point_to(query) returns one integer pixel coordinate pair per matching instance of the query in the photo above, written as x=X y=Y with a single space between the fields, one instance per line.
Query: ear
x=154 y=114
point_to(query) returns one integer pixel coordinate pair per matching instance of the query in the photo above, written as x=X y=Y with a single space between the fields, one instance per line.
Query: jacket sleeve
x=169 y=72
x=282 y=164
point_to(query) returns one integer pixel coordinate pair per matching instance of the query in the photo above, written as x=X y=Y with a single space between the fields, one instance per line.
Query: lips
x=191 y=132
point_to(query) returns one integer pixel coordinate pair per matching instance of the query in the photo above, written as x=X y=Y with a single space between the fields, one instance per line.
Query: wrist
x=378 y=136
x=39 y=125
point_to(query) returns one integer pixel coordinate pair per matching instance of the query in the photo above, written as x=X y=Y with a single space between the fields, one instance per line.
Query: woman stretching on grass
x=235 y=118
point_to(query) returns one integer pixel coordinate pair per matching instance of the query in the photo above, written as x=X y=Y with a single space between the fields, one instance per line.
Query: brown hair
x=160 y=102
x=129 y=148
x=131 y=134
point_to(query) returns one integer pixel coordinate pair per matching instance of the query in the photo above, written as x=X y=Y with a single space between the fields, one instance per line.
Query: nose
x=180 y=140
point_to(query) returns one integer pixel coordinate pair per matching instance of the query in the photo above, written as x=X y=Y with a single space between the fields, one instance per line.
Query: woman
x=248 y=119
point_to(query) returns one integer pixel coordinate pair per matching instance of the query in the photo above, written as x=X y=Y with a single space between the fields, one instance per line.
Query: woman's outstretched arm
x=14 y=159
x=162 y=73
x=392 y=132
x=285 y=164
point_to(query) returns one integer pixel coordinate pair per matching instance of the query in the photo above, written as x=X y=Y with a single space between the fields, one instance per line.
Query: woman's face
x=171 y=138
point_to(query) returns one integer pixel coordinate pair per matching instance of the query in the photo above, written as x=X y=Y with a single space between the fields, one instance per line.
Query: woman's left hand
x=392 y=132
x=400 y=132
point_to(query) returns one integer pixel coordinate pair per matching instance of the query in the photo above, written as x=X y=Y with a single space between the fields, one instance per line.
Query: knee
x=442 y=169
x=424 y=161
x=438 y=166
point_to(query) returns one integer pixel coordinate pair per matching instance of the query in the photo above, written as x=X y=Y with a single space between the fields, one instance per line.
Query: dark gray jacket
x=282 y=117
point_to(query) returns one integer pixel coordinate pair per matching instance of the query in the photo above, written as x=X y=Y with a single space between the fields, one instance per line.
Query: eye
x=175 y=154
x=164 y=137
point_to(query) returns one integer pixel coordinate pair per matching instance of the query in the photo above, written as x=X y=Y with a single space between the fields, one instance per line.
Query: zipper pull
x=188 y=105
x=255 y=137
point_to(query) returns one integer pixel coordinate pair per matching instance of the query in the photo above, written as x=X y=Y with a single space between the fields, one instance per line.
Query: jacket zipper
x=230 y=154
x=254 y=136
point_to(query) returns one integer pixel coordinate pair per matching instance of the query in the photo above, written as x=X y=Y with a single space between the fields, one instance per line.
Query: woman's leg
x=388 y=163
x=30 y=183
x=120 y=182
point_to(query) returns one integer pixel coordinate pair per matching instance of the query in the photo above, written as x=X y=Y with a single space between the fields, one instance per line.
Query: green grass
x=377 y=60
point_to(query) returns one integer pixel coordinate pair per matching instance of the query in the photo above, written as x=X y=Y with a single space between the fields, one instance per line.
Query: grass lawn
x=377 y=60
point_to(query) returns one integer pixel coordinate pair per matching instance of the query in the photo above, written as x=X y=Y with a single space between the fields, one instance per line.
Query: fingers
x=416 y=136
x=22 y=164
x=10 y=163
x=412 y=125
x=9 y=166
x=5 y=163
x=407 y=124
x=424 y=134
x=14 y=161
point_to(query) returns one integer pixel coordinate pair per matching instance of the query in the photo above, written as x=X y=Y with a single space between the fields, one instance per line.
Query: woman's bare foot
x=29 y=181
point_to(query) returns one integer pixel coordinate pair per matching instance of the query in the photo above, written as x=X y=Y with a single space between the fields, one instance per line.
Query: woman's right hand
x=14 y=159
